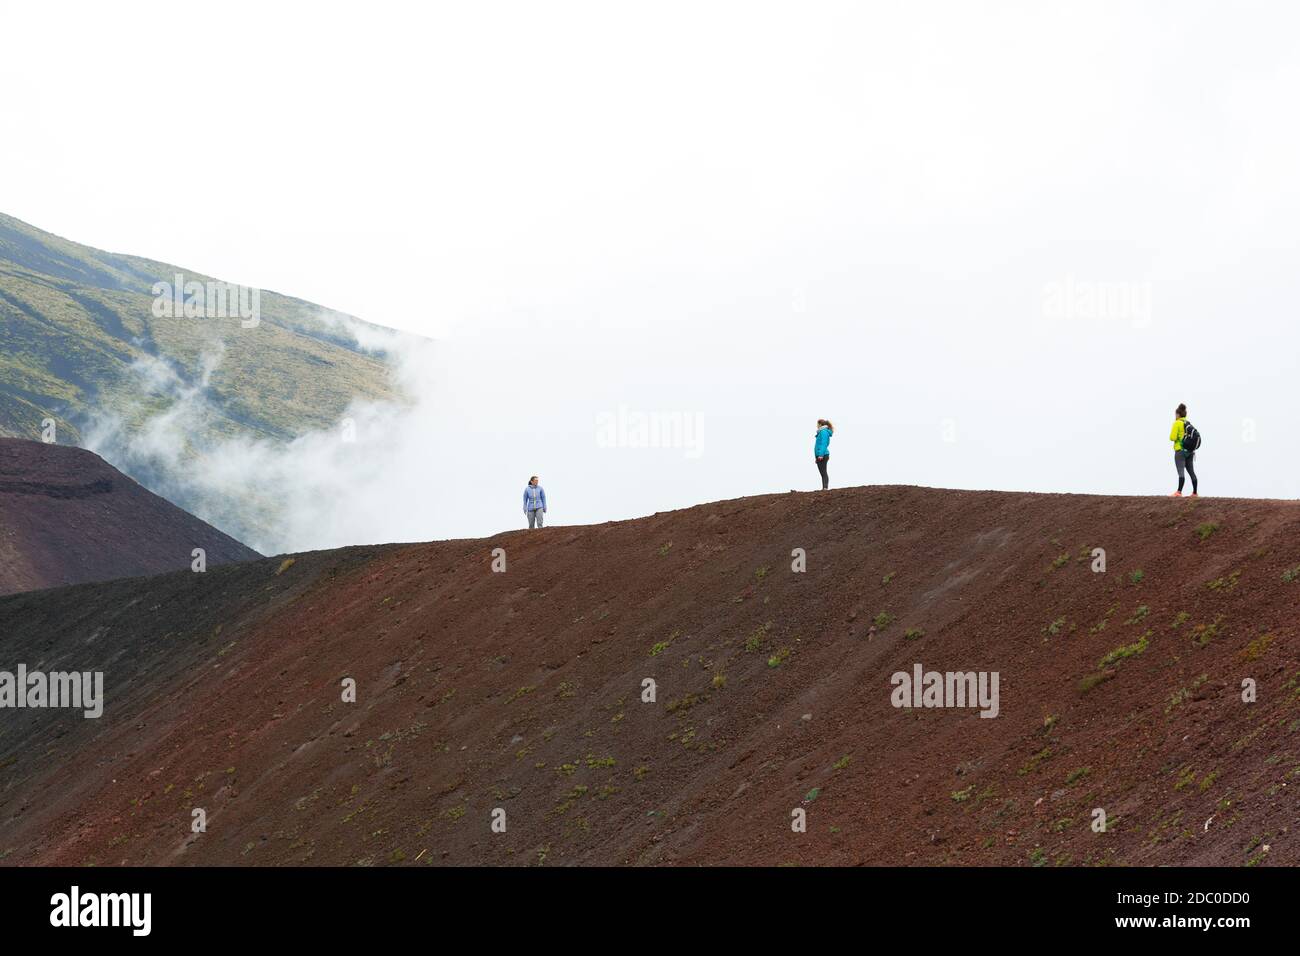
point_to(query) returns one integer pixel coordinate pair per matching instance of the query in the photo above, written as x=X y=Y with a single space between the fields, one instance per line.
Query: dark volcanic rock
x=68 y=517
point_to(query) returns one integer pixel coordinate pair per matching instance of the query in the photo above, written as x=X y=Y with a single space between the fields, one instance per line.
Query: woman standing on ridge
x=822 y=448
x=1186 y=440
x=534 y=503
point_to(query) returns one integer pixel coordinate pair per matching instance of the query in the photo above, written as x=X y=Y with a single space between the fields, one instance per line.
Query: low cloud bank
x=353 y=483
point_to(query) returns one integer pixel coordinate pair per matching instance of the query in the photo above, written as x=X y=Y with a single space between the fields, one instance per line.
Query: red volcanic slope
x=522 y=691
x=67 y=516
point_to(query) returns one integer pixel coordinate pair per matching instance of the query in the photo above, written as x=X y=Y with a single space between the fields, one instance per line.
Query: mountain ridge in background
x=75 y=318
x=68 y=517
x=80 y=345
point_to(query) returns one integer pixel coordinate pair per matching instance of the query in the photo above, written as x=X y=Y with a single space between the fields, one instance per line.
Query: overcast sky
x=996 y=243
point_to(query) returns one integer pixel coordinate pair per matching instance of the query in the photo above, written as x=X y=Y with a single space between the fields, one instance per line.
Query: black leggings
x=1183 y=459
x=826 y=481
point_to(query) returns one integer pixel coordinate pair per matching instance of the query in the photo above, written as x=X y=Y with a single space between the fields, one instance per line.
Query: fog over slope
x=357 y=481
x=188 y=405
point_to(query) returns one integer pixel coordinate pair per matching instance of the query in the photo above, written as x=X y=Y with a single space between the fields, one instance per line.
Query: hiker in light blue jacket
x=822 y=449
x=534 y=502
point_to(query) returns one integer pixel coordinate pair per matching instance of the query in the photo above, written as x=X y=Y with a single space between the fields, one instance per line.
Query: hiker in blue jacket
x=822 y=449
x=534 y=502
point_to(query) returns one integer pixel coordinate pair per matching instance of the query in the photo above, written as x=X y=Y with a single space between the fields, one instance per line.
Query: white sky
x=754 y=213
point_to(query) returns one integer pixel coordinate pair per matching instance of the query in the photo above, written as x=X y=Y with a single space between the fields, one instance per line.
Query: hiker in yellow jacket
x=1184 y=434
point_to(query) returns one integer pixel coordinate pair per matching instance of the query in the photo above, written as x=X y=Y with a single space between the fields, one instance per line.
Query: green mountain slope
x=78 y=339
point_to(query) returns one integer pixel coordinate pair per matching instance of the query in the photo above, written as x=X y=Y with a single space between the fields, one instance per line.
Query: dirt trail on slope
x=522 y=691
